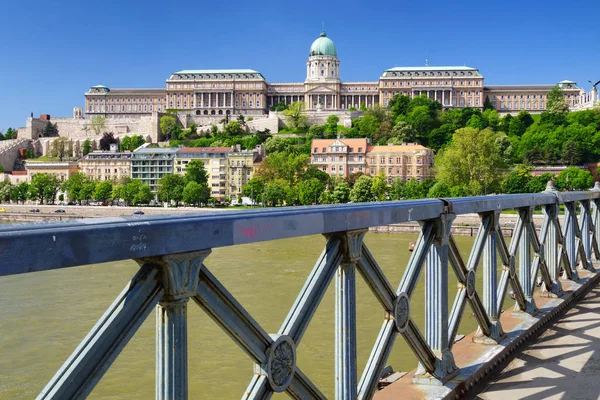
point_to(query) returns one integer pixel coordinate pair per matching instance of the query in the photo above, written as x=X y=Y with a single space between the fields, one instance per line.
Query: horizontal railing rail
x=171 y=251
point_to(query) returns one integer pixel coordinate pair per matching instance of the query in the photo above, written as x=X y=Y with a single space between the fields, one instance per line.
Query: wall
x=75 y=127
x=9 y=151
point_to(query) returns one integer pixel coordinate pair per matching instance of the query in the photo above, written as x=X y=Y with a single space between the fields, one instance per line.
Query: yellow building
x=106 y=165
x=215 y=164
x=241 y=167
x=61 y=169
x=408 y=161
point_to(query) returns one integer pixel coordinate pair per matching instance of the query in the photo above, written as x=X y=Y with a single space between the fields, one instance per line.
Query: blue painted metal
x=167 y=247
x=97 y=351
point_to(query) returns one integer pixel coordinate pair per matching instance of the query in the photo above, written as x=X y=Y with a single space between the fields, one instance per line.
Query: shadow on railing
x=171 y=251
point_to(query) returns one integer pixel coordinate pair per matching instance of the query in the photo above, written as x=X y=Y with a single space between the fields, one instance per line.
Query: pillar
x=179 y=275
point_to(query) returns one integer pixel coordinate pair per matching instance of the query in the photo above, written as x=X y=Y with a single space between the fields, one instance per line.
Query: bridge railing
x=171 y=250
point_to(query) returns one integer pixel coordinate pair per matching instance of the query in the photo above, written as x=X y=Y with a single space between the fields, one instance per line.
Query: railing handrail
x=120 y=238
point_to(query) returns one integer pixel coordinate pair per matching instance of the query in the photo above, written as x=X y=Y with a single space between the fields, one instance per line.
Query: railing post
x=345 y=316
x=552 y=246
x=180 y=276
x=490 y=285
x=436 y=306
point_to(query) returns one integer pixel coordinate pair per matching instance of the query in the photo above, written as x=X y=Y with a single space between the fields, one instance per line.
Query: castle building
x=343 y=157
x=218 y=92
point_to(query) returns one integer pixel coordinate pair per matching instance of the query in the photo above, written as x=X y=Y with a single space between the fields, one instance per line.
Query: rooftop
x=204 y=150
x=402 y=148
x=217 y=71
x=431 y=68
x=157 y=150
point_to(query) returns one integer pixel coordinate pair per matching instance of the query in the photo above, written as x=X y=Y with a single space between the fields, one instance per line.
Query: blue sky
x=52 y=52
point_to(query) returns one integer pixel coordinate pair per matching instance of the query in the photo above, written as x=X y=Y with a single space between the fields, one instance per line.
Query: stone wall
x=75 y=128
x=9 y=151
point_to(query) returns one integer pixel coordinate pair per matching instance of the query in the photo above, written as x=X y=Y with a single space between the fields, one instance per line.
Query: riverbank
x=22 y=213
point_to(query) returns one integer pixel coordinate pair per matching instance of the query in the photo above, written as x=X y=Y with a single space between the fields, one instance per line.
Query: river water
x=44 y=315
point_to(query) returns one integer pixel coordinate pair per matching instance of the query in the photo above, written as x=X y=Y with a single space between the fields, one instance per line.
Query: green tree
x=130 y=190
x=50 y=130
x=397 y=189
x=574 y=178
x=103 y=191
x=310 y=190
x=341 y=193
x=74 y=185
x=87 y=191
x=43 y=187
x=22 y=191
x=254 y=189
x=144 y=194
x=572 y=153
x=556 y=103
x=6 y=192
x=275 y=191
x=379 y=187
x=331 y=124
x=537 y=184
x=472 y=156
x=413 y=189
x=361 y=192
x=171 y=188
x=515 y=182
x=87 y=147
x=195 y=172
x=487 y=104
x=295 y=117
x=281 y=106
x=97 y=125
x=438 y=190
x=116 y=192
x=60 y=148
x=233 y=128
x=168 y=125
x=194 y=194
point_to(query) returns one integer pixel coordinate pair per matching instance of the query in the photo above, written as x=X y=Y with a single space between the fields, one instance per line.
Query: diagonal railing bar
x=376 y=280
x=595 y=221
x=586 y=232
x=259 y=388
x=508 y=274
x=466 y=291
x=230 y=315
x=457 y=262
x=480 y=242
x=569 y=233
x=378 y=358
x=313 y=291
x=91 y=359
x=302 y=388
x=419 y=346
x=569 y=269
x=417 y=258
x=539 y=261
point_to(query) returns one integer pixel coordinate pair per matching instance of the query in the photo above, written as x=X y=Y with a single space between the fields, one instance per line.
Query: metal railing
x=171 y=249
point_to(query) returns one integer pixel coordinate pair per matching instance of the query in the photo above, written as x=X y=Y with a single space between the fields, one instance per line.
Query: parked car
x=59 y=211
x=71 y=203
x=34 y=210
x=138 y=213
x=2 y=209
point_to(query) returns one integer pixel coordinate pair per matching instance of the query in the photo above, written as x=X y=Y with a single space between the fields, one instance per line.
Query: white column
x=210 y=99
x=435 y=95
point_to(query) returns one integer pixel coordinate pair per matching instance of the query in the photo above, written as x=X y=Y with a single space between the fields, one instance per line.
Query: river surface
x=44 y=316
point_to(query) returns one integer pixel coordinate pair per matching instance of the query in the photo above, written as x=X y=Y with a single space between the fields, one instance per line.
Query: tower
x=322 y=84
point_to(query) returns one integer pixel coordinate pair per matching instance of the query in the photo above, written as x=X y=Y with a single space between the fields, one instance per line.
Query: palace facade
x=246 y=91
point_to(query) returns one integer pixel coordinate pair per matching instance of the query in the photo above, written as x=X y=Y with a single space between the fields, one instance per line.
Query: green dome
x=323 y=46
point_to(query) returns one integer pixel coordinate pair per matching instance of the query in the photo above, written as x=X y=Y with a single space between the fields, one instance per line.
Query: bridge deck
x=563 y=363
